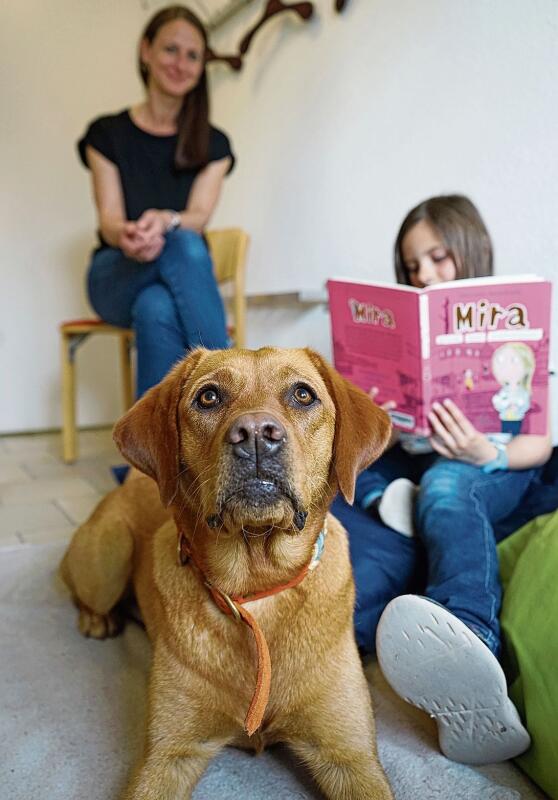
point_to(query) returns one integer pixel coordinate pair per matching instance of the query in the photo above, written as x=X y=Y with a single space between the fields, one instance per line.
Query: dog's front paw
x=99 y=626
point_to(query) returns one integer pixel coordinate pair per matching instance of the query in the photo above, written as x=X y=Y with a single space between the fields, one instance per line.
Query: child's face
x=425 y=256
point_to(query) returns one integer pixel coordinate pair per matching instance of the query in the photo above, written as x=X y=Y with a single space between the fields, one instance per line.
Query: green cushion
x=529 y=571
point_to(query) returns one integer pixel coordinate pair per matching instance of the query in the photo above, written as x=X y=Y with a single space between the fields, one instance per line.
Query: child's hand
x=387 y=406
x=456 y=438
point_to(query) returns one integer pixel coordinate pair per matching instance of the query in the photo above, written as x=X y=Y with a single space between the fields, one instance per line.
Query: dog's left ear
x=148 y=434
x=362 y=428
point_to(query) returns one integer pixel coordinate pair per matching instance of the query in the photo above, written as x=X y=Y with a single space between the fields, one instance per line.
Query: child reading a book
x=439 y=651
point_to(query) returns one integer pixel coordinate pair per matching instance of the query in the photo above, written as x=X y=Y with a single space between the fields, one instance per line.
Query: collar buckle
x=226 y=599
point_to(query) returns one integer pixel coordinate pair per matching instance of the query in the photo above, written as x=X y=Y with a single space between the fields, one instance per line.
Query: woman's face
x=175 y=58
x=426 y=257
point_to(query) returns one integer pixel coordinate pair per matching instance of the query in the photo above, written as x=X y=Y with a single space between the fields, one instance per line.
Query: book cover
x=483 y=343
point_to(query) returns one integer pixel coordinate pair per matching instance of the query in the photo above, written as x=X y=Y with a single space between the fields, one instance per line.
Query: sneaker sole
x=436 y=663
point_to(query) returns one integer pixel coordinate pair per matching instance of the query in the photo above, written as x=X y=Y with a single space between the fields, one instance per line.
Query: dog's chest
x=221 y=651
x=216 y=656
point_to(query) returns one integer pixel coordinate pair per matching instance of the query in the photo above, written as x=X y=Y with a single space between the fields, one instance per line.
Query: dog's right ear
x=362 y=428
x=148 y=434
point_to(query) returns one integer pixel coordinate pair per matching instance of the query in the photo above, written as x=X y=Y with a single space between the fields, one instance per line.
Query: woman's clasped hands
x=144 y=239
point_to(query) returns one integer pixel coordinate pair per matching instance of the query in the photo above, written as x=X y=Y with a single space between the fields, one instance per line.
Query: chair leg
x=240 y=305
x=69 y=443
x=126 y=368
x=239 y=322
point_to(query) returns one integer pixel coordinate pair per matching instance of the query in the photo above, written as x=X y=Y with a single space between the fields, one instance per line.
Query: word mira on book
x=483 y=315
x=370 y=314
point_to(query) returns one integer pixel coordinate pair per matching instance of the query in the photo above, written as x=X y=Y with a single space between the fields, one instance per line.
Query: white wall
x=340 y=126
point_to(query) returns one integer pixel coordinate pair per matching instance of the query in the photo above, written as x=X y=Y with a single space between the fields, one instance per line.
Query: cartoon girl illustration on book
x=513 y=365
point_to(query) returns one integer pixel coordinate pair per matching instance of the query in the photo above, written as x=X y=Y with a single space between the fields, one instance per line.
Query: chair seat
x=98 y=326
x=92 y=325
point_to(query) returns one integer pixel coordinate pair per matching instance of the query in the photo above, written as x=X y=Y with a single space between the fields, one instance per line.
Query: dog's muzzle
x=257 y=474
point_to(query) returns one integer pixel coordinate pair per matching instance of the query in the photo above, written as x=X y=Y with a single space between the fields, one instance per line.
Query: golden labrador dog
x=242 y=577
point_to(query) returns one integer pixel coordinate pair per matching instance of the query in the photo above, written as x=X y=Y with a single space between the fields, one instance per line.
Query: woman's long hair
x=192 y=147
x=462 y=230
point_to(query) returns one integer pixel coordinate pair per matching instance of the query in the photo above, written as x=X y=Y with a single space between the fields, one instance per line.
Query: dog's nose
x=256 y=435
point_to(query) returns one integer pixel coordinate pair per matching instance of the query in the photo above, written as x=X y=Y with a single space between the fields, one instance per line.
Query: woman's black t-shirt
x=146 y=162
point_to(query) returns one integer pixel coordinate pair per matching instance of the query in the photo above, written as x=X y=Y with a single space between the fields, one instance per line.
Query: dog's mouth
x=258 y=502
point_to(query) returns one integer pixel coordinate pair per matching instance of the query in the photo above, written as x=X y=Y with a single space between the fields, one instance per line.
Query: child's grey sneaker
x=396 y=506
x=434 y=661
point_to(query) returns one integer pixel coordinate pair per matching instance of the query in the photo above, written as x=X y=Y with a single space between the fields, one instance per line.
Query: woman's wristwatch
x=174 y=222
x=500 y=462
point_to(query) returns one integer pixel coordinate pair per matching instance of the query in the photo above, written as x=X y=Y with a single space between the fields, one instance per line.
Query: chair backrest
x=228 y=248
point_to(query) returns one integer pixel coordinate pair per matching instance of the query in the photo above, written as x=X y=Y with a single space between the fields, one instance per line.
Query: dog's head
x=253 y=439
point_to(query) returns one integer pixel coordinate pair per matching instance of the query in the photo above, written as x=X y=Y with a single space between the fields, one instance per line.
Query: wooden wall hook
x=274 y=7
x=234 y=61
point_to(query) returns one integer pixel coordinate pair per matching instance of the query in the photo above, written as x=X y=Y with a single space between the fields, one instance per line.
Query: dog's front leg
x=342 y=769
x=343 y=773
x=335 y=736
x=171 y=773
x=185 y=731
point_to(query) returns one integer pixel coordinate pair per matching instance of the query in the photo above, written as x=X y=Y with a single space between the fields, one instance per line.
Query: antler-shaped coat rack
x=272 y=9
x=304 y=10
x=234 y=61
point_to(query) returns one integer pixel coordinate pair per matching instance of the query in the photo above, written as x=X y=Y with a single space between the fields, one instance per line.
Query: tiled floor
x=41 y=498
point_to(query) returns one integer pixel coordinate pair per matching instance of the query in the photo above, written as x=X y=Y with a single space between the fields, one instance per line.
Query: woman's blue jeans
x=453 y=560
x=173 y=303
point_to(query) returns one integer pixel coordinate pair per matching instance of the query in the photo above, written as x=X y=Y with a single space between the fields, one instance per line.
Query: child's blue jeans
x=453 y=560
x=173 y=303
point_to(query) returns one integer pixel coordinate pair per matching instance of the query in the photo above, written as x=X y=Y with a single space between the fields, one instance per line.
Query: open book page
x=482 y=342
x=489 y=350
x=376 y=342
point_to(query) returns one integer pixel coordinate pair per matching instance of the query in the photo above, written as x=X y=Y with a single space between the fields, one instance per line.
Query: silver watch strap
x=174 y=222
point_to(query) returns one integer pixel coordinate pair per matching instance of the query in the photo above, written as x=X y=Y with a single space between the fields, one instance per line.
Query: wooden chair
x=228 y=249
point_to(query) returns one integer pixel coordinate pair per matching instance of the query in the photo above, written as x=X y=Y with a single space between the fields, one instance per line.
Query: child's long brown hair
x=462 y=230
x=192 y=147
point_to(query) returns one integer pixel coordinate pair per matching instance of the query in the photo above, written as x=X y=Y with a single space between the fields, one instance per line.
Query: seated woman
x=157 y=170
x=440 y=651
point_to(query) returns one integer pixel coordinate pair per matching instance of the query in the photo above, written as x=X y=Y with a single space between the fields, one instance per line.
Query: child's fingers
x=442 y=432
x=450 y=424
x=439 y=447
x=388 y=405
x=459 y=417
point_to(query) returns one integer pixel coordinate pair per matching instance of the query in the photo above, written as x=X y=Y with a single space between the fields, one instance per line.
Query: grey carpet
x=72 y=714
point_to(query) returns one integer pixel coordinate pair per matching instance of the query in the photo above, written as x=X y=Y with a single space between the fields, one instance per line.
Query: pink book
x=482 y=342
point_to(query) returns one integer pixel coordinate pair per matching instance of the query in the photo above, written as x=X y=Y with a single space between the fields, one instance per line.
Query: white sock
x=396 y=506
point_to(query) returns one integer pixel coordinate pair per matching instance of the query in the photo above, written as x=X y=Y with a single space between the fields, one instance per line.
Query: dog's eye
x=303 y=395
x=208 y=397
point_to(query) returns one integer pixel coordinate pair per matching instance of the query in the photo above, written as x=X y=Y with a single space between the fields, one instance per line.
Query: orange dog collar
x=233 y=606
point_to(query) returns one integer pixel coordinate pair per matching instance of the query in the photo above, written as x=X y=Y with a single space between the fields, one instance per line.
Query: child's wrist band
x=500 y=462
